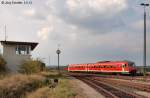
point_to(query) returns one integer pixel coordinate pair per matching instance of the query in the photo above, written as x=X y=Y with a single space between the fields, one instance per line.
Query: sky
x=86 y=31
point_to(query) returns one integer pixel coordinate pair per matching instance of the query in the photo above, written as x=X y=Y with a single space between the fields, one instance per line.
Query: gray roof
x=32 y=44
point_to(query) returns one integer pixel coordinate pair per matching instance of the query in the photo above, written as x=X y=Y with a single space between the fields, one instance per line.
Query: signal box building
x=15 y=53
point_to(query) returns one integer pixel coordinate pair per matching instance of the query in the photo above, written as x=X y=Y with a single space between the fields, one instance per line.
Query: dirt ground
x=83 y=90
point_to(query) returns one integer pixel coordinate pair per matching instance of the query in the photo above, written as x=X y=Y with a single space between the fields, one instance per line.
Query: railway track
x=129 y=84
x=107 y=90
x=124 y=77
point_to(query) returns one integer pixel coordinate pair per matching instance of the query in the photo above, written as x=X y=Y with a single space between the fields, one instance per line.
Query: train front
x=132 y=68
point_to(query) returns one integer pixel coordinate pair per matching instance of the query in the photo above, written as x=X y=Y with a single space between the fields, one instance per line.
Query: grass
x=35 y=86
x=62 y=90
x=17 y=85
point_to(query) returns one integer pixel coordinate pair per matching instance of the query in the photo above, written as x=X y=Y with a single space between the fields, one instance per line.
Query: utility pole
x=49 y=61
x=144 y=47
x=5 y=33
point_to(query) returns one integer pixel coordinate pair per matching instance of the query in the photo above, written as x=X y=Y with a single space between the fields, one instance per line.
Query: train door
x=123 y=68
x=86 y=67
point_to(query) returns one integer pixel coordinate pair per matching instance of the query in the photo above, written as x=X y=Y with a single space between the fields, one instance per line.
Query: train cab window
x=132 y=64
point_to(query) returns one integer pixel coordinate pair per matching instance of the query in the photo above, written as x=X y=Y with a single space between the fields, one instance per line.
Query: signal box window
x=23 y=49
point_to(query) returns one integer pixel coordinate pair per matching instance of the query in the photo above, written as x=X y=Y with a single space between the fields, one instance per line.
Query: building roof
x=32 y=44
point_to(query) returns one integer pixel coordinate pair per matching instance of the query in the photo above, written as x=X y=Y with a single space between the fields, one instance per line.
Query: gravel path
x=83 y=90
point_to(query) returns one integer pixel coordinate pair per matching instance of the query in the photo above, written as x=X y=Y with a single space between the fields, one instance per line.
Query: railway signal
x=144 y=50
x=58 y=52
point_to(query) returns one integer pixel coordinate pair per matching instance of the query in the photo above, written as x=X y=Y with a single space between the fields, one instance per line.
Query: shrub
x=31 y=66
x=3 y=67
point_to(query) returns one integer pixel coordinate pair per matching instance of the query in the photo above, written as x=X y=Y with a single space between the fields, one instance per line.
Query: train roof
x=102 y=62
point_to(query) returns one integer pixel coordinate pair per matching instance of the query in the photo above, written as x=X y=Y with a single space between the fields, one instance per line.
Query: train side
x=123 y=67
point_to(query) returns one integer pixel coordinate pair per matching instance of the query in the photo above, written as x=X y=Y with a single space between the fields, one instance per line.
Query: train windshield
x=131 y=64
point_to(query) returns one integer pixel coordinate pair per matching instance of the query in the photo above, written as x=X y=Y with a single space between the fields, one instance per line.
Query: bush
x=3 y=67
x=31 y=66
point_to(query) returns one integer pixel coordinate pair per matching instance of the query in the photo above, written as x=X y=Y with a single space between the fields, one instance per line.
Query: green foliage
x=31 y=66
x=3 y=67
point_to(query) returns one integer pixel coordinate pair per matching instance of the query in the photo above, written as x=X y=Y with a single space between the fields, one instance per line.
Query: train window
x=124 y=65
x=131 y=64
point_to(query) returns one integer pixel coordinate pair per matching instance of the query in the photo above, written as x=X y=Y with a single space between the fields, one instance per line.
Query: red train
x=123 y=67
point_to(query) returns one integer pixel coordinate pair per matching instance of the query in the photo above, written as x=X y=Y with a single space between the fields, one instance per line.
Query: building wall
x=13 y=60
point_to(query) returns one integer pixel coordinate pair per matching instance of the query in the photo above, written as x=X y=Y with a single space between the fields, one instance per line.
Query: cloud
x=88 y=30
x=34 y=14
x=97 y=15
x=44 y=32
x=97 y=6
x=29 y=12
